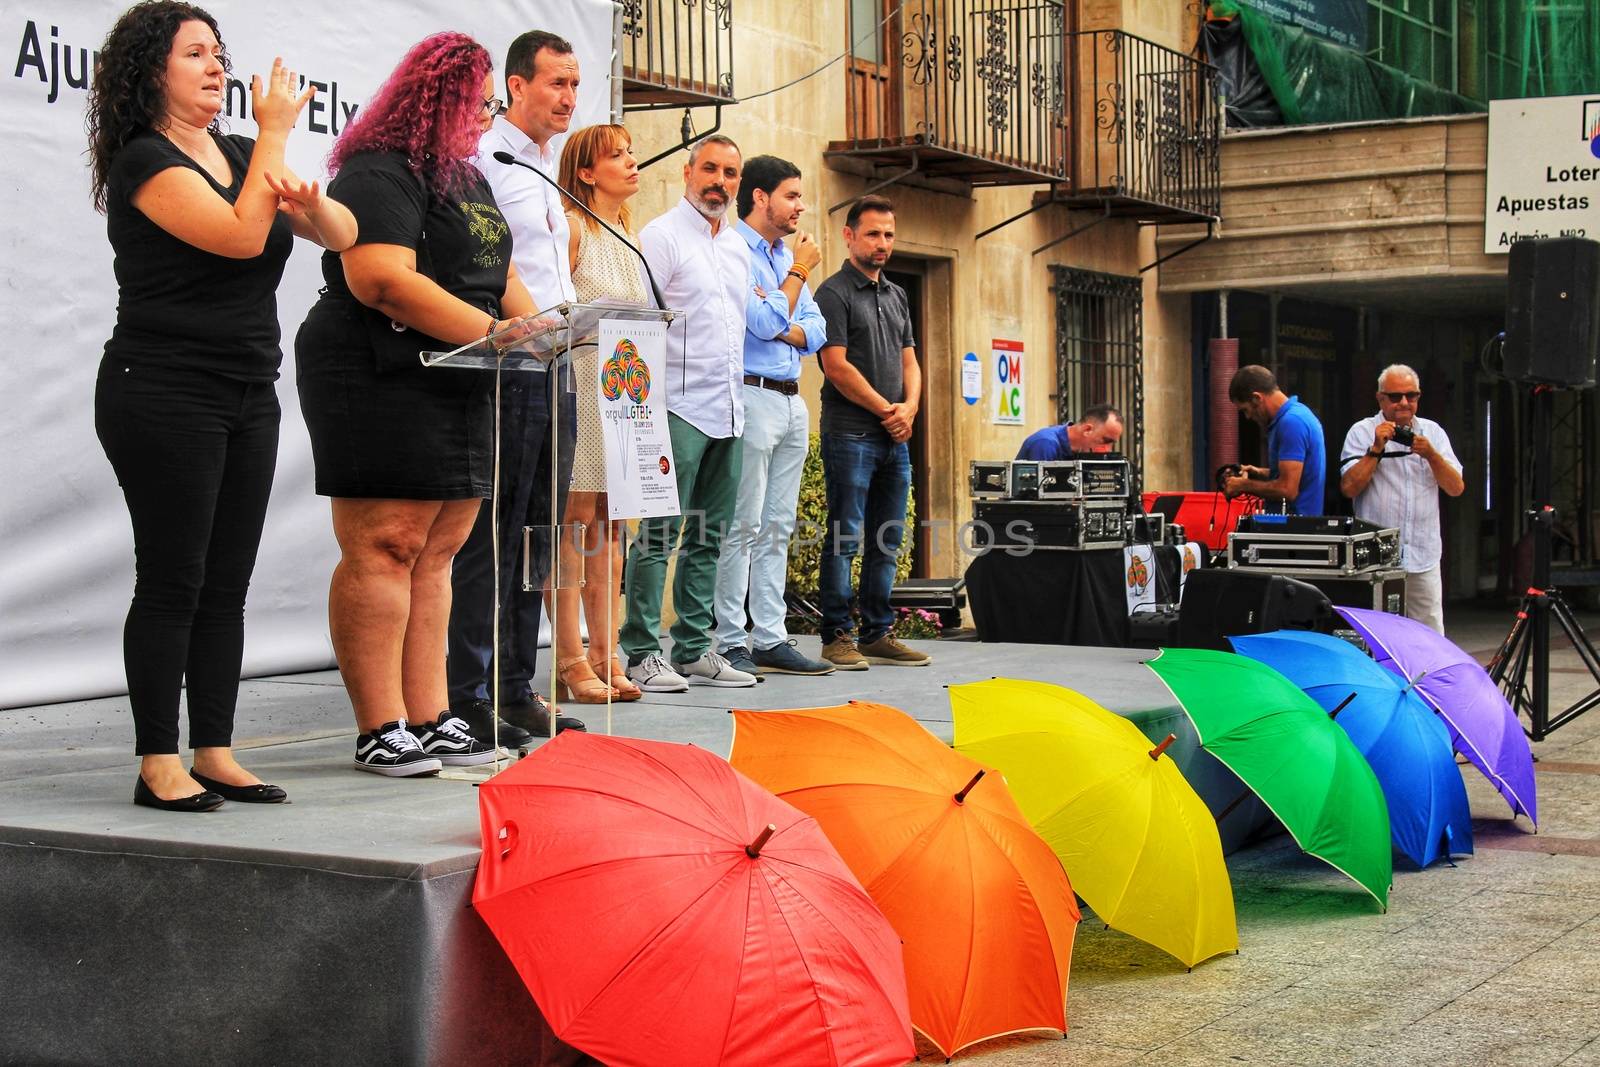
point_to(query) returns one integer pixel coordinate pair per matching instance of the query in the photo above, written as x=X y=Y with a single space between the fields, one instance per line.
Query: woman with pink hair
x=405 y=451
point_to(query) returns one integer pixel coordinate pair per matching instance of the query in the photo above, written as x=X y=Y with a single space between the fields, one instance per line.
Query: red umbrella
x=664 y=909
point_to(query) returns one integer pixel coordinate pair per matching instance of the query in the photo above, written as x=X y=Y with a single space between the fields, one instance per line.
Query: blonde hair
x=583 y=149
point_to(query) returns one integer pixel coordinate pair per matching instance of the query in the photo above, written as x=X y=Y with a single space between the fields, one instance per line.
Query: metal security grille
x=1099 y=352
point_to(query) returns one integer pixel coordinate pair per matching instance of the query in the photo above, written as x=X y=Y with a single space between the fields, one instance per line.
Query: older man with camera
x=1394 y=465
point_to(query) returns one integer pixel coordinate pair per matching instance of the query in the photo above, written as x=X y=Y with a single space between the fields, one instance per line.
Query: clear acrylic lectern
x=560 y=345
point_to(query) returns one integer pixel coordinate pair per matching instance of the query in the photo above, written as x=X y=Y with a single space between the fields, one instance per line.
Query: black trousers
x=528 y=452
x=194 y=453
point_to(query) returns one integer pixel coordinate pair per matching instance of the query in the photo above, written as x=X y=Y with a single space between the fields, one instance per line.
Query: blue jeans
x=867 y=478
x=754 y=565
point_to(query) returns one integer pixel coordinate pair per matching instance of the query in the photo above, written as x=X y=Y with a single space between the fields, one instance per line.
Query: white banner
x=1544 y=170
x=1139 y=577
x=66 y=572
x=641 y=481
x=1144 y=585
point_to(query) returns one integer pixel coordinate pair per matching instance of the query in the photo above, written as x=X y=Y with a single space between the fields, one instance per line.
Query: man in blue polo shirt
x=1295 y=450
x=1098 y=430
x=782 y=326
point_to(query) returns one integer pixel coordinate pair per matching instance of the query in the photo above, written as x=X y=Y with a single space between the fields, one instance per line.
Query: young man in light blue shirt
x=782 y=325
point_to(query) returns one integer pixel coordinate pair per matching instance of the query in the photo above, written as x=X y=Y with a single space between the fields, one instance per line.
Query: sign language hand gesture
x=277 y=107
x=296 y=198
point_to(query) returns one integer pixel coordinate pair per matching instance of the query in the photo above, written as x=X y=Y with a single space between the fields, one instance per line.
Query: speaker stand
x=1521 y=666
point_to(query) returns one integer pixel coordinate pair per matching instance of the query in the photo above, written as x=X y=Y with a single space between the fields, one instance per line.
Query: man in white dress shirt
x=1395 y=485
x=702 y=266
x=542 y=84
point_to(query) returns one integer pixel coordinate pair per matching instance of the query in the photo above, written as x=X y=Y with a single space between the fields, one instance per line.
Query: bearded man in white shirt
x=1394 y=465
x=702 y=266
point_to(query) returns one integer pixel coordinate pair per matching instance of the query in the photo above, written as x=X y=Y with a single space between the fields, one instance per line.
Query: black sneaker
x=392 y=750
x=478 y=719
x=449 y=741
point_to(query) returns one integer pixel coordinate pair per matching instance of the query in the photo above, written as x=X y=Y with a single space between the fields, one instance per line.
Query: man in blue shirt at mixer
x=1295 y=451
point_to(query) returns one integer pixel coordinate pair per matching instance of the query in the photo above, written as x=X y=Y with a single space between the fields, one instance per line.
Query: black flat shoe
x=244 y=794
x=144 y=796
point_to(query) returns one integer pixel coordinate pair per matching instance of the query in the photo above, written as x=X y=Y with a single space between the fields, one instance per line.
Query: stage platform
x=338 y=927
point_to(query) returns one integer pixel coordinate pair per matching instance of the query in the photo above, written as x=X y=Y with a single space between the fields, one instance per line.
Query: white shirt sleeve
x=1357 y=441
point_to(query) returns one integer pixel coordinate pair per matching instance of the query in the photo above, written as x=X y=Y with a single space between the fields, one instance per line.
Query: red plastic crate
x=1206 y=517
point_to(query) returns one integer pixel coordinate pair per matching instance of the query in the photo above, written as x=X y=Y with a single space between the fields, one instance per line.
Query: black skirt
x=423 y=433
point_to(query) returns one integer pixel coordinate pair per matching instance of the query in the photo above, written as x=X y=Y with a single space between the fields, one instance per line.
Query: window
x=1099 y=353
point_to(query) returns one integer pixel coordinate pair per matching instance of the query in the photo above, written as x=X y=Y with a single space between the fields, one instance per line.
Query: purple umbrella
x=1482 y=725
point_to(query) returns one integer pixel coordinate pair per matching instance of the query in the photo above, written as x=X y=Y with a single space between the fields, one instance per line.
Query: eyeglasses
x=1395 y=398
x=494 y=106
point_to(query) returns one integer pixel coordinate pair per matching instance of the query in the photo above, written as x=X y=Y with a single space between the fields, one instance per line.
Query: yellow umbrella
x=1139 y=845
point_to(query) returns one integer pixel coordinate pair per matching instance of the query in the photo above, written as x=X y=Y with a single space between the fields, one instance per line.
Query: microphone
x=511 y=160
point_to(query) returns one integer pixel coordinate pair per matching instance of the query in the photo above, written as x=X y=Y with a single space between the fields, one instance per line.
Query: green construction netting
x=1502 y=48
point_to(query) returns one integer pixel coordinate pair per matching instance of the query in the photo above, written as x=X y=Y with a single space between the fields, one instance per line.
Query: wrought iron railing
x=979 y=81
x=676 y=53
x=1146 y=123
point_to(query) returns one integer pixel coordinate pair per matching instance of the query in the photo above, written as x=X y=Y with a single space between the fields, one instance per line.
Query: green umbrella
x=1289 y=751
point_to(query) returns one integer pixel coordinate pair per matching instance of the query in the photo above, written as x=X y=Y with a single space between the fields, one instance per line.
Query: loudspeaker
x=1553 y=312
x=1219 y=603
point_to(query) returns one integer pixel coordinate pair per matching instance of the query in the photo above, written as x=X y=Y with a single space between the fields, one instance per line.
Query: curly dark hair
x=128 y=93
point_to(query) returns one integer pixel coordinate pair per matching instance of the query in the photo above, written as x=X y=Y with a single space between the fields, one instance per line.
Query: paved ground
x=1493 y=961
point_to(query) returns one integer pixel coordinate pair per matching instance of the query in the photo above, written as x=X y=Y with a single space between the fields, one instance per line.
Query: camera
x=1403 y=435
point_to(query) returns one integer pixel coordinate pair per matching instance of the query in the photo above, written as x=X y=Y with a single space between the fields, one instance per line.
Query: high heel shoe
x=579 y=684
x=244 y=794
x=146 y=797
x=616 y=675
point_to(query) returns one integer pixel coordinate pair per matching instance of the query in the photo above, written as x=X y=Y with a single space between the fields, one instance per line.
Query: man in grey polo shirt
x=869 y=404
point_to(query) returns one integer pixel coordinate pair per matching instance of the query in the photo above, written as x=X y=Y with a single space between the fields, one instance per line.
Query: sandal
x=579 y=683
x=619 y=680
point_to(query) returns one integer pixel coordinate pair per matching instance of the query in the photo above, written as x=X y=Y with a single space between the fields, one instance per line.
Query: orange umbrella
x=982 y=904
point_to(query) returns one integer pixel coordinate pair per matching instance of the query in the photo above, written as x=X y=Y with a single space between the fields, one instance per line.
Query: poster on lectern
x=641 y=481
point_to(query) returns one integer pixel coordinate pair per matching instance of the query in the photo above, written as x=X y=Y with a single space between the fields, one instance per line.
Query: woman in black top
x=406 y=451
x=201 y=225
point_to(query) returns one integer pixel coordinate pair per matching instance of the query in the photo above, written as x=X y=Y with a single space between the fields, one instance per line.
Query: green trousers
x=708 y=487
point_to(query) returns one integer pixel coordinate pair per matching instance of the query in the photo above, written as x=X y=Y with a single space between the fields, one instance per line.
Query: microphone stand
x=511 y=160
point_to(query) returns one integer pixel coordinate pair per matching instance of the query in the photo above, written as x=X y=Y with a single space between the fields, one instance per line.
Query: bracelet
x=1374 y=455
x=800 y=272
x=493 y=322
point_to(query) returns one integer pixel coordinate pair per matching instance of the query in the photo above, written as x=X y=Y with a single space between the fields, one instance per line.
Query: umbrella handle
x=961 y=797
x=753 y=849
x=1155 y=753
x=1334 y=714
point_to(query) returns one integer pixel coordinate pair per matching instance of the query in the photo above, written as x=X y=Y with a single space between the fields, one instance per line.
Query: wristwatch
x=1376 y=454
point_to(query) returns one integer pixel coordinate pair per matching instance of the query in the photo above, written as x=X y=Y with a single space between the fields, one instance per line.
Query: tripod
x=1521 y=666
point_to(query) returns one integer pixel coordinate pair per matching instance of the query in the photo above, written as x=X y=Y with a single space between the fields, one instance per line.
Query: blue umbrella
x=1407 y=745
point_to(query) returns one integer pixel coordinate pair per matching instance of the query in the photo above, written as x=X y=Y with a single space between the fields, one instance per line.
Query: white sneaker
x=712 y=669
x=654 y=676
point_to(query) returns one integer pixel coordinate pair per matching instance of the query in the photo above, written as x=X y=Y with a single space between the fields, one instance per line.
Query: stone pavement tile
x=1569 y=894
x=1587 y=1056
x=1331 y=1017
x=1039 y=1050
x=1138 y=1017
x=1482 y=1041
x=1551 y=1011
x=1557 y=968
x=1378 y=969
x=1211 y=1047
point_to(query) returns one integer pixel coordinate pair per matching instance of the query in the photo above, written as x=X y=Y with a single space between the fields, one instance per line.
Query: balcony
x=964 y=90
x=676 y=53
x=1146 y=125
